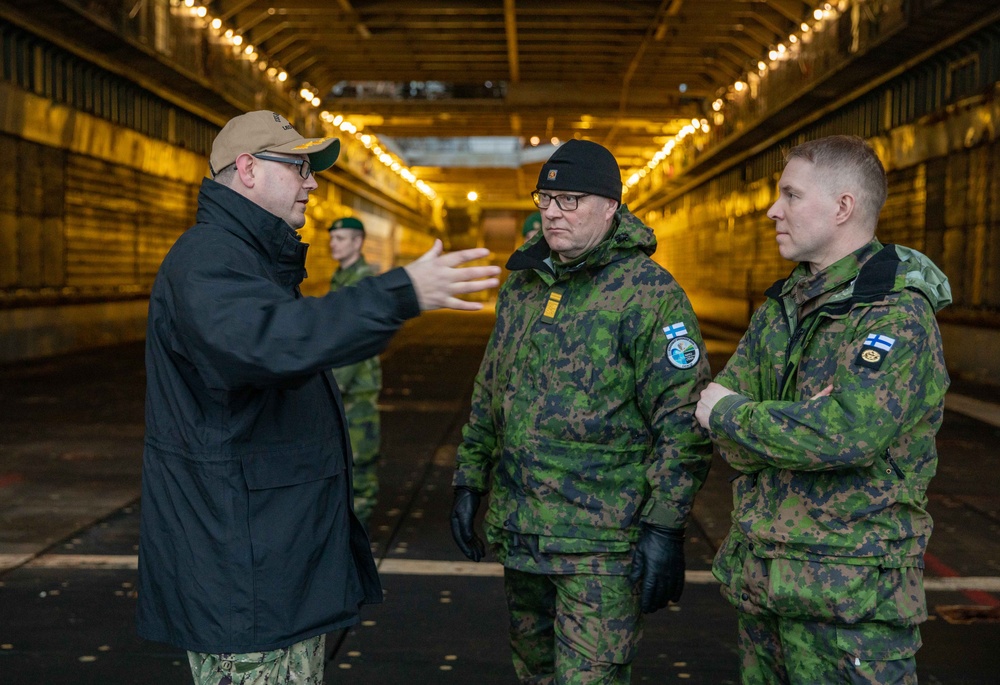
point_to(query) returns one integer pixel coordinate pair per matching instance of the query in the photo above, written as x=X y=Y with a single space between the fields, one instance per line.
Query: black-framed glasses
x=567 y=203
x=303 y=164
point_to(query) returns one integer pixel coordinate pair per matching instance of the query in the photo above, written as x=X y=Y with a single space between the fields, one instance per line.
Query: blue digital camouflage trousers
x=572 y=629
x=298 y=664
x=775 y=650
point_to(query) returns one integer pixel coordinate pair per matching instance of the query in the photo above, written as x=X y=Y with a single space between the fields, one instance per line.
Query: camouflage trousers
x=364 y=427
x=572 y=629
x=788 y=651
x=298 y=664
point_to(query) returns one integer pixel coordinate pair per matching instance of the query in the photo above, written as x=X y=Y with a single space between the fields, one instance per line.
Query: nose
x=551 y=211
x=310 y=183
x=774 y=212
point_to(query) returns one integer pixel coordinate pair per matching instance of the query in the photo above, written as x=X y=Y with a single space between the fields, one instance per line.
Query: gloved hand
x=659 y=564
x=463 y=513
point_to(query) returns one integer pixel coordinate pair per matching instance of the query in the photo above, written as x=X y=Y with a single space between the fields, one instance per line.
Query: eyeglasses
x=303 y=164
x=567 y=203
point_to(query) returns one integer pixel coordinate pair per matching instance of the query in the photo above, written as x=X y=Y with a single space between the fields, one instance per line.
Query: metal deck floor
x=70 y=444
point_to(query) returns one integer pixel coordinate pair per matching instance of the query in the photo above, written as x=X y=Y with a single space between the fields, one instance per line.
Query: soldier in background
x=829 y=409
x=532 y=225
x=583 y=432
x=359 y=383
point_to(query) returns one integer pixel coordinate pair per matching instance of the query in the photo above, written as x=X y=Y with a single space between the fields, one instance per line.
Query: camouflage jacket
x=361 y=381
x=581 y=426
x=839 y=479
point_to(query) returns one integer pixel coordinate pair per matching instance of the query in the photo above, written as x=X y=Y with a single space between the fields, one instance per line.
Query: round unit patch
x=683 y=353
x=871 y=356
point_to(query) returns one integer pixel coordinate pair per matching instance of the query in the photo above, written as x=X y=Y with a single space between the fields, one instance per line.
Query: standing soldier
x=532 y=226
x=359 y=383
x=582 y=430
x=829 y=410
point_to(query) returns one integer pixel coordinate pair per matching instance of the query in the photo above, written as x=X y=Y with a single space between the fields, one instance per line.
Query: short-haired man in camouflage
x=583 y=432
x=829 y=410
x=359 y=383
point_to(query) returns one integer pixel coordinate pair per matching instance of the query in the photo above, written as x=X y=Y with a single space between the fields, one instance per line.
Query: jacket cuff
x=398 y=284
x=663 y=514
x=474 y=481
x=722 y=413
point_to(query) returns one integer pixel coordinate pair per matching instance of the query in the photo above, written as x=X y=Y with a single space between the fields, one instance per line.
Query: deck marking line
x=987 y=412
x=976 y=588
x=976 y=595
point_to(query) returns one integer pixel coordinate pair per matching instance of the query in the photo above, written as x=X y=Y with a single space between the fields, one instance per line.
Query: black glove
x=463 y=513
x=659 y=564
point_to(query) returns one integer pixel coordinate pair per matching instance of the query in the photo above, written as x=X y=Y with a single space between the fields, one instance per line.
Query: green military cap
x=532 y=223
x=348 y=222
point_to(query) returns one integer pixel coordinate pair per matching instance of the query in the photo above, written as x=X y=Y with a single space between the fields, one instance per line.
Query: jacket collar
x=269 y=235
x=809 y=291
x=627 y=234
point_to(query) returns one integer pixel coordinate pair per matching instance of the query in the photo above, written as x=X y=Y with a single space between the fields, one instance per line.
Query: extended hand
x=659 y=566
x=463 y=513
x=437 y=280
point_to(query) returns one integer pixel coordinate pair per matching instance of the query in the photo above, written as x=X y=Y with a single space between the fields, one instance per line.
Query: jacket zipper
x=892 y=463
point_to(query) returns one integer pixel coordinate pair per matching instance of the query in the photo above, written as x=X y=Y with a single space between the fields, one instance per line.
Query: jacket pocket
x=571 y=490
x=810 y=590
x=265 y=470
x=901 y=599
x=727 y=567
x=879 y=641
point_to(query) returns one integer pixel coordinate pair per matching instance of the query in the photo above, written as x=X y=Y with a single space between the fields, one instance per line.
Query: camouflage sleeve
x=875 y=397
x=667 y=388
x=738 y=373
x=345 y=375
x=363 y=377
x=479 y=436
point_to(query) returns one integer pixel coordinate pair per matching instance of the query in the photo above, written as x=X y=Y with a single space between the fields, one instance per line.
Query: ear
x=611 y=209
x=845 y=208
x=246 y=169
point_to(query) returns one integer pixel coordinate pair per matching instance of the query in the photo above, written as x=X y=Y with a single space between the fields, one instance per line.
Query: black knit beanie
x=582 y=166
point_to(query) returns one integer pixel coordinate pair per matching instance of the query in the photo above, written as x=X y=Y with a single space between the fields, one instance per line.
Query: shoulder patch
x=874 y=350
x=675 y=330
x=682 y=352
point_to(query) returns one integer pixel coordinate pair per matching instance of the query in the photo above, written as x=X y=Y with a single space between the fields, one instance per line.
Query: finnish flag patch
x=675 y=330
x=874 y=350
x=882 y=342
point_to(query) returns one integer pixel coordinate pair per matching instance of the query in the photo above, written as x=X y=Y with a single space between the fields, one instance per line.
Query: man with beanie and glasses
x=249 y=551
x=582 y=430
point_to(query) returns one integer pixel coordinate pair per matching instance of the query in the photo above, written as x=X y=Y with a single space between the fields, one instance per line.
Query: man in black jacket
x=249 y=550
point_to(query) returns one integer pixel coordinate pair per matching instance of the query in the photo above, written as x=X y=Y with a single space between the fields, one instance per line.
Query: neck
x=850 y=245
x=348 y=261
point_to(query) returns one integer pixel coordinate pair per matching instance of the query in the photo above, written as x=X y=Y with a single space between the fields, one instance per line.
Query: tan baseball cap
x=262 y=131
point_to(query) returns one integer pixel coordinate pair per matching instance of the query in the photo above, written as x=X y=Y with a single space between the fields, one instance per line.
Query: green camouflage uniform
x=359 y=386
x=301 y=664
x=582 y=425
x=825 y=555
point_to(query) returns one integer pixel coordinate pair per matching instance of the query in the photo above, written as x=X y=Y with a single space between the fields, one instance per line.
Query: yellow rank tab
x=552 y=306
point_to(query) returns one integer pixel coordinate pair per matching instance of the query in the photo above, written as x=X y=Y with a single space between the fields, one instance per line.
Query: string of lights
x=310 y=94
x=779 y=55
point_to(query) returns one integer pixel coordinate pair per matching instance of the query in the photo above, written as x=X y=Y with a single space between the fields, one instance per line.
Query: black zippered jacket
x=248 y=539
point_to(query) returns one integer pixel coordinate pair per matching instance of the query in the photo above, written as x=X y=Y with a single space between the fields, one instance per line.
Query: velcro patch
x=675 y=330
x=874 y=350
x=552 y=306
